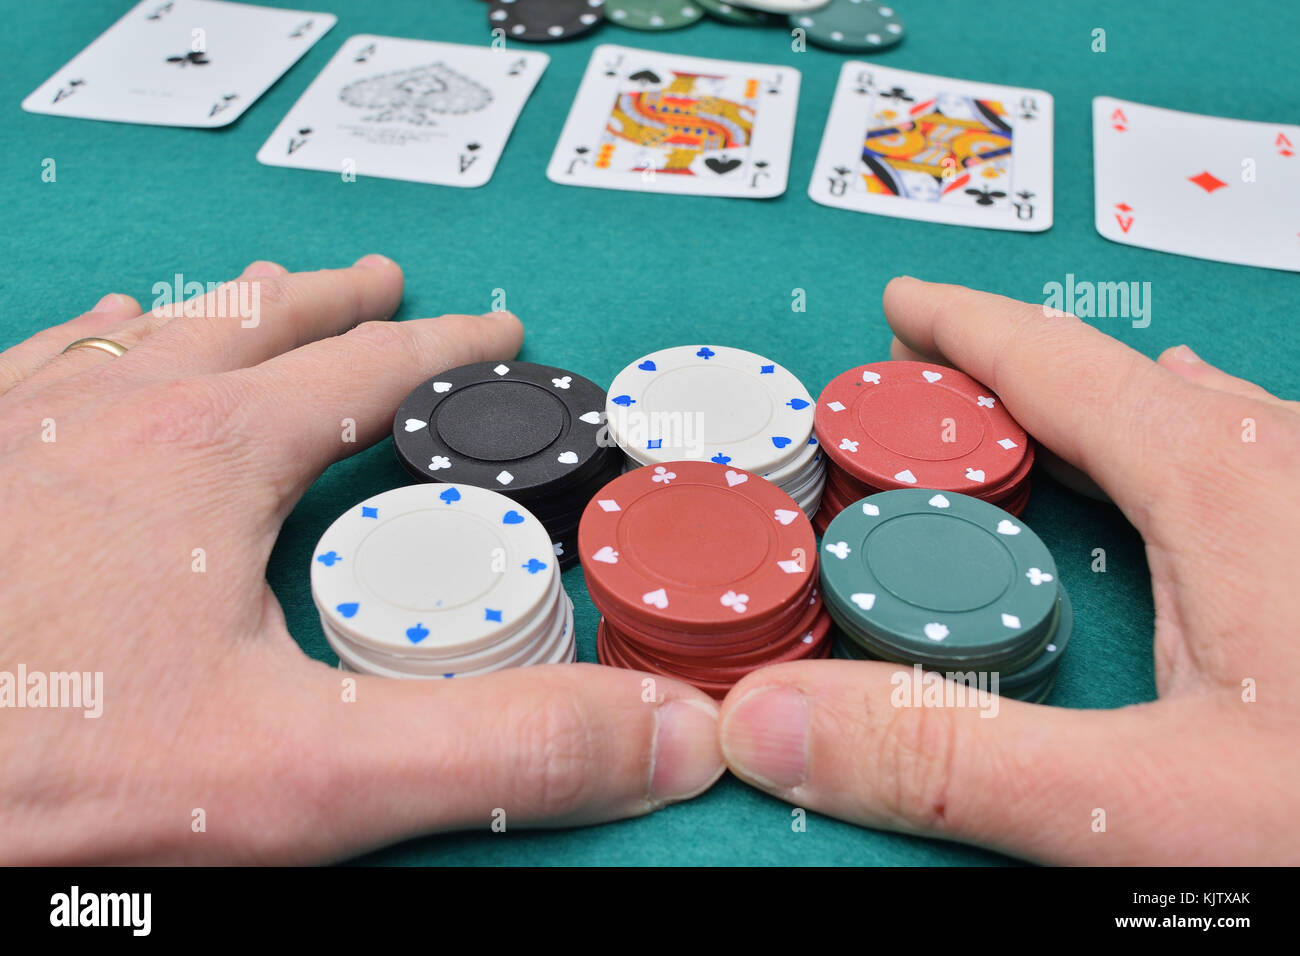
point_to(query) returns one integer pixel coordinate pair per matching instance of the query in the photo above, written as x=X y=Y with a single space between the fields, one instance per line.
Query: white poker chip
x=433 y=571
x=710 y=403
x=782 y=6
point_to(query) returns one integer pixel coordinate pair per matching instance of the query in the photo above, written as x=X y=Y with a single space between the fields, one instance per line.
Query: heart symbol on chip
x=568 y=457
x=606 y=555
x=736 y=478
x=974 y=474
x=939 y=501
x=783 y=516
x=870 y=509
x=864 y=601
x=780 y=441
x=512 y=517
x=1006 y=527
x=906 y=476
x=415 y=424
x=647 y=366
x=936 y=631
x=657 y=598
x=931 y=377
x=871 y=378
x=591 y=418
x=349 y=609
x=441 y=387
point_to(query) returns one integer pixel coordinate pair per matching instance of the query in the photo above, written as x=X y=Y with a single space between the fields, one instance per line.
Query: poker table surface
x=600 y=277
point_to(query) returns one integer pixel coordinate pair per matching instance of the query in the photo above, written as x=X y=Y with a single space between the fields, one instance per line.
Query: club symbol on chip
x=848 y=444
x=439 y=462
x=840 y=549
x=737 y=602
x=663 y=475
x=1038 y=576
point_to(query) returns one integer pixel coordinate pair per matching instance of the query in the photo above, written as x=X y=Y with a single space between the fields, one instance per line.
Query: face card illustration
x=942 y=150
x=416 y=110
x=655 y=122
x=180 y=63
x=1193 y=185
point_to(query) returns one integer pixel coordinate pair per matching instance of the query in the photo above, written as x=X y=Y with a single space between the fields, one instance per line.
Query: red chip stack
x=892 y=425
x=702 y=573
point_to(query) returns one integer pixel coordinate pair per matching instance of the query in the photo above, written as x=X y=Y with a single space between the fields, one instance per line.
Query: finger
x=265 y=312
x=25 y=359
x=839 y=737
x=328 y=400
x=555 y=746
x=1186 y=364
x=1103 y=407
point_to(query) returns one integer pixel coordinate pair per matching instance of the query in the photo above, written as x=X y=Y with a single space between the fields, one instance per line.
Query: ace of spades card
x=180 y=63
x=656 y=122
x=943 y=150
x=1203 y=186
x=416 y=110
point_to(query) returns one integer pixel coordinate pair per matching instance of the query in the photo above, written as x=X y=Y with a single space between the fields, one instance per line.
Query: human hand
x=1202 y=775
x=203 y=436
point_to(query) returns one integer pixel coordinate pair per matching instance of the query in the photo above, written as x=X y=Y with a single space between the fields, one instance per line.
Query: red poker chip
x=694 y=545
x=915 y=425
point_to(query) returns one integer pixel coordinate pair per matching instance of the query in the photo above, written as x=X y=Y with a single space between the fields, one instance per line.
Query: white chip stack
x=440 y=580
x=713 y=403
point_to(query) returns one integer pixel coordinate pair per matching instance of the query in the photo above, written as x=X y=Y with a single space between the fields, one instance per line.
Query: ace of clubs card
x=656 y=122
x=942 y=150
x=180 y=63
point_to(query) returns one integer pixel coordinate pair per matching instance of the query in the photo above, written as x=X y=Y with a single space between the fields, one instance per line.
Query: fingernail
x=1185 y=354
x=686 y=756
x=373 y=261
x=110 y=303
x=499 y=314
x=261 y=270
x=765 y=737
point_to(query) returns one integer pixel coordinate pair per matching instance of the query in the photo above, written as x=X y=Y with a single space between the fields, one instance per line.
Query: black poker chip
x=535 y=433
x=545 y=21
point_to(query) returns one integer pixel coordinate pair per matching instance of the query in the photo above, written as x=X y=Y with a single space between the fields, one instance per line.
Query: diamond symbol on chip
x=502 y=369
x=505 y=477
x=1010 y=620
x=1006 y=443
x=608 y=504
x=870 y=509
x=835 y=406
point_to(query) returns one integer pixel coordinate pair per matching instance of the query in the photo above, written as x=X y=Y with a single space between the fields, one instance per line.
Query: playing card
x=928 y=147
x=656 y=122
x=1194 y=185
x=408 y=109
x=180 y=63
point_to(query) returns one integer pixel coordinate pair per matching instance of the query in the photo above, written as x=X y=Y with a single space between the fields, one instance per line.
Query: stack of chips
x=531 y=432
x=703 y=573
x=435 y=581
x=724 y=405
x=912 y=425
x=947 y=582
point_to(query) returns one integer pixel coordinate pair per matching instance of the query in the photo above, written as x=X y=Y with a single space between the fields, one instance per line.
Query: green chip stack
x=948 y=582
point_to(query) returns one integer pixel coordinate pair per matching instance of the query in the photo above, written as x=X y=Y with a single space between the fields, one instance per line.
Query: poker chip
x=856 y=26
x=737 y=14
x=719 y=404
x=653 y=14
x=945 y=580
x=702 y=572
x=783 y=6
x=896 y=425
x=531 y=432
x=545 y=21
x=440 y=580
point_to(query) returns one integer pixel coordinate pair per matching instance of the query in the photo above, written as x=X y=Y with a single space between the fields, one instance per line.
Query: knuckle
x=914 y=761
x=383 y=337
x=559 y=753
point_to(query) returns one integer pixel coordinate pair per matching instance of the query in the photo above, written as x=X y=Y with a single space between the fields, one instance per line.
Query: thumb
x=557 y=745
x=1027 y=780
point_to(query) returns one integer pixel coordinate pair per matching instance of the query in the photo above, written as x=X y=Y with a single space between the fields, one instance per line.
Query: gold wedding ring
x=104 y=345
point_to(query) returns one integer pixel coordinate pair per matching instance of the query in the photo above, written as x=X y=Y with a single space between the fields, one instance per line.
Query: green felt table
x=600 y=277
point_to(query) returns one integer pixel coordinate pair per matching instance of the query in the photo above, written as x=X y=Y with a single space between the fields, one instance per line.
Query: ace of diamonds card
x=926 y=147
x=657 y=122
x=1193 y=185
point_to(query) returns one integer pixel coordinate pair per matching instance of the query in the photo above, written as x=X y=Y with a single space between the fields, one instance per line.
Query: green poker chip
x=1044 y=665
x=855 y=26
x=939 y=578
x=653 y=14
x=736 y=14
